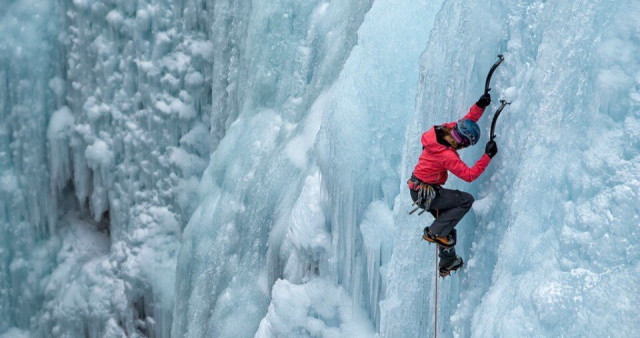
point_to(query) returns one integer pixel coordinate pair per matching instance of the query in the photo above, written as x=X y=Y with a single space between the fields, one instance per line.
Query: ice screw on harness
x=426 y=194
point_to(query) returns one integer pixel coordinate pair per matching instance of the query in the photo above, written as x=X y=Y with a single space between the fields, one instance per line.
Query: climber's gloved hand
x=484 y=100
x=491 y=149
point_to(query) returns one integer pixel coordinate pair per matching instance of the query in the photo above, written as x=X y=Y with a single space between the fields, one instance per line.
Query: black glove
x=484 y=100
x=491 y=149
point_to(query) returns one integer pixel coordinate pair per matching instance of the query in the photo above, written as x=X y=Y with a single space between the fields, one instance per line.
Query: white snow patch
x=163 y=107
x=308 y=230
x=60 y=124
x=184 y=111
x=189 y=164
x=203 y=49
x=483 y=206
x=314 y=309
x=510 y=94
x=98 y=154
x=194 y=79
x=114 y=17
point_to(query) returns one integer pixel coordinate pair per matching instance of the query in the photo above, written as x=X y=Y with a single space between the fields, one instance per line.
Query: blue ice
x=237 y=168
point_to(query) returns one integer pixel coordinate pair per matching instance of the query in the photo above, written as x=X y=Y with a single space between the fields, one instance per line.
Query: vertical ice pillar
x=230 y=21
x=290 y=52
x=360 y=141
x=28 y=68
x=104 y=108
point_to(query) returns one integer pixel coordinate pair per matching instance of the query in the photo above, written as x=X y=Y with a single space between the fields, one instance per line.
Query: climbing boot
x=445 y=242
x=445 y=269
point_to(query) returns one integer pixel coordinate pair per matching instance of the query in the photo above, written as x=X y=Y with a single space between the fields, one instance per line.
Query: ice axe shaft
x=495 y=117
x=493 y=68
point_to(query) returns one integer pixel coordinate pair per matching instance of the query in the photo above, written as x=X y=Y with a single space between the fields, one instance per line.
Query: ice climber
x=439 y=155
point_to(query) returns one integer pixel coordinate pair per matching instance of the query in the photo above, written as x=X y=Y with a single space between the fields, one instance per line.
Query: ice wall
x=294 y=51
x=304 y=115
x=297 y=198
x=105 y=118
x=27 y=63
x=551 y=244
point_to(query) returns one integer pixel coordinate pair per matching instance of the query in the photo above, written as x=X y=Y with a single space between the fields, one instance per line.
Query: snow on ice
x=218 y=168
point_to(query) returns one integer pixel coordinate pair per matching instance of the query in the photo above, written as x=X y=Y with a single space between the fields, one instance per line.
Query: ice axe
x=486 y=91
x=493 y=68
x=495 y=118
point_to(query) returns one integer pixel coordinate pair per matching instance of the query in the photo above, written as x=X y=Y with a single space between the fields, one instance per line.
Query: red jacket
x=436 y=159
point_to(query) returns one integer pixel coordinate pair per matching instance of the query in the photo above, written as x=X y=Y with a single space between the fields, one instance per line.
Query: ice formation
x=218 y=168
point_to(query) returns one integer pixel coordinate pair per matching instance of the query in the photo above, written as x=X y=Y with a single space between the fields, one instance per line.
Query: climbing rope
x=435 y=319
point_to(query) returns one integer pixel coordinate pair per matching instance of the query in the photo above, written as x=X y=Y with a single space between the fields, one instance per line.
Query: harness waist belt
x=415 y=183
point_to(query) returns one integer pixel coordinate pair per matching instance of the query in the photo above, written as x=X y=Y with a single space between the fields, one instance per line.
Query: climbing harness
x=426 y=194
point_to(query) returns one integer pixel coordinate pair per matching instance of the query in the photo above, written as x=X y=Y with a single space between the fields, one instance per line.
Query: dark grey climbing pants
x=448 y=207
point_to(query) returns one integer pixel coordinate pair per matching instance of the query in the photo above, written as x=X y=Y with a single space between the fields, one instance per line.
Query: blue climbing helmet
x=468 y=131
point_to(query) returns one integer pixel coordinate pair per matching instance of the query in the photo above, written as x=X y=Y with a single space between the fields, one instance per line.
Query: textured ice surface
x=283 y=133
x=85 y=161
x=286 y=190
x=317 y=308
x=552 y=248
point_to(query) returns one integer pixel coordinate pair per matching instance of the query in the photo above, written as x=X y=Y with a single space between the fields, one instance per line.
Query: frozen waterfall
x=219 y=168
